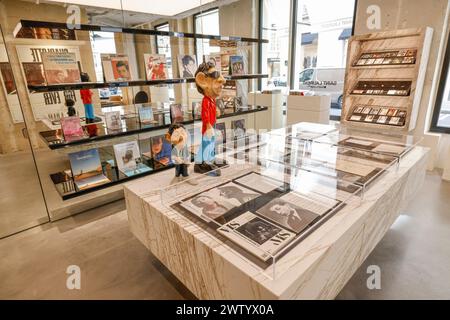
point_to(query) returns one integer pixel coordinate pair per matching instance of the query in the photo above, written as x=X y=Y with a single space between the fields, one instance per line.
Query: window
x=274 y=56
x=441 y=114
x=163 y=47
x=102 y=43
x=206 y=23
x=323 y=30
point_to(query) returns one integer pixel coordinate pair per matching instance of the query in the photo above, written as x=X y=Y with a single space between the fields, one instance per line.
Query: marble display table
x=317 y=268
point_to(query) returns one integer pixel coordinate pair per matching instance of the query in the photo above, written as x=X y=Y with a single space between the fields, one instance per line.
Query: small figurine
x=70 y=108
x=86 y=96
x=181 y=156
x=209 y=83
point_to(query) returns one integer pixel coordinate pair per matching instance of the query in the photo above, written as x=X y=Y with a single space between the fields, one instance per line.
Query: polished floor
x=414 y=257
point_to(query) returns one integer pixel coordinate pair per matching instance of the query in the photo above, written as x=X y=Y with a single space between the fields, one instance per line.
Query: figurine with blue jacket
x=181 y=156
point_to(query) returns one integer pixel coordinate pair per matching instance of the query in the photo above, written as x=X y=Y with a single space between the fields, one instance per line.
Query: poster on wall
x=155 y=66
x=116 y=67
x=47 y=105
x=9 y=87
x=60 y=67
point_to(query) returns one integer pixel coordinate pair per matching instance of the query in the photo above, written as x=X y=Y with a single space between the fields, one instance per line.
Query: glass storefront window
x=441 y=115
x=275 y=55
x=323 y=30
x=206 y=23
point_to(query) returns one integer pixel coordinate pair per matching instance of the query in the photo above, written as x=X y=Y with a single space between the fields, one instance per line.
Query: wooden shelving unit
x=400 y=55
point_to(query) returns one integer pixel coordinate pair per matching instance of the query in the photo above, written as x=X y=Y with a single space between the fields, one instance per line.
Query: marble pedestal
x=317 y=268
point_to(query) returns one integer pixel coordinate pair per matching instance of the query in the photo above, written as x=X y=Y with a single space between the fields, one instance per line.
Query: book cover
x=113 y=120
x=128 y=158
x=155 y=66
x=238 y=127
x=256 y=235
x=237 y=65
x=214 y=58
x=87 y=169
x=146 y=115
x=60 y=67
x=116 y=67
x=161 y=150
x=187 y=66
x=221 y=133
x=176 y=113
x=71 y=128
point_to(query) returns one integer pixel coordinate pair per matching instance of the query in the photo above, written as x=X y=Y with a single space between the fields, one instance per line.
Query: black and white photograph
x=287 y=214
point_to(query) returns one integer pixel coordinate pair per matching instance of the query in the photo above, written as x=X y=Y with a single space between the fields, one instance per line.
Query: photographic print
x=355 y=118
x=155 y=66
x=34 y=73
x=392 y=112
x=366 y=110
x=116 y=67
x=256 y=235
x=87 y=170
x=369 y=118
x=221 y=133
x=383 y=112
x=60 y=67
x=382 y=119
x=394 y=120
x=146 y=115
x=187 y=66
x=128 y=158
x=287 y=214
x=375 y=111
x=197 y=110
x=237 y=65
x=216 y=59
x=358 y=110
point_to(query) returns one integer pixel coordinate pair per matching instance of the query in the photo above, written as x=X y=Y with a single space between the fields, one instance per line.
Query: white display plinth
x=308 y=109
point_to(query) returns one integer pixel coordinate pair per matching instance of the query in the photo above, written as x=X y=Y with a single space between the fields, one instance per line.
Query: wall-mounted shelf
x=24 y=24
x=100 y=85
x=132 y=126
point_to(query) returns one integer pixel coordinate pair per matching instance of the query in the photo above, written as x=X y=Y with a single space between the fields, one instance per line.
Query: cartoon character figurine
x=86 y=96
x=181 y=156
x=209 y=83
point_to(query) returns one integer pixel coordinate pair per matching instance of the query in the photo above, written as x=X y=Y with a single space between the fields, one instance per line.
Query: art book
x=161 y=151
x=60 y=67
x=237 y=65
x=71 y=128
x=187 y=66
x=116 y=67
x=128 y=158
x=214 y=58
x=87 y=169
x=155 y=66
x=176 y=113
x=113 y=120
x=256 y=235
x=146 y=115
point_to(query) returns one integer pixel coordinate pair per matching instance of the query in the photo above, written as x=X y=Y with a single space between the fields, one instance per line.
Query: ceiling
x=135 y=12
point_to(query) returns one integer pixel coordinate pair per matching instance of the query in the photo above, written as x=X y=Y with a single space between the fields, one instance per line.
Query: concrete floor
x=414 y=257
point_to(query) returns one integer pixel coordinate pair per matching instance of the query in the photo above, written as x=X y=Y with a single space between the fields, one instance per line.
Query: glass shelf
x=132 y=125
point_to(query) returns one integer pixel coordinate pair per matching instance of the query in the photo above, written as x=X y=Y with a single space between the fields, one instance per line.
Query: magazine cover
x=161 y=150
x=214 y=203
x=287 y=214
x=146 y=115
x=176 y=113
x=237 y=65
x=256 y=235
x=34 y=73
x=214 y=58
x=60 y=67
x=113 y=120
x=87 y=169
x=187 y=66
x=71 y=128
x=155 y=66
x=221 y=133
x=128 y=158
x=116 y=67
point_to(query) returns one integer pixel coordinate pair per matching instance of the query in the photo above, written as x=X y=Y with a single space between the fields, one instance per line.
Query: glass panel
x=323 y=29
x=22 y=204
x=443 y=106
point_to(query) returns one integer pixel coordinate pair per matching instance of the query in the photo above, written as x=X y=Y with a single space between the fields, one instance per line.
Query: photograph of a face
x=287 y=214
x=187 y=65
x=121 y=68
x=221 y=133
x=258 y=230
